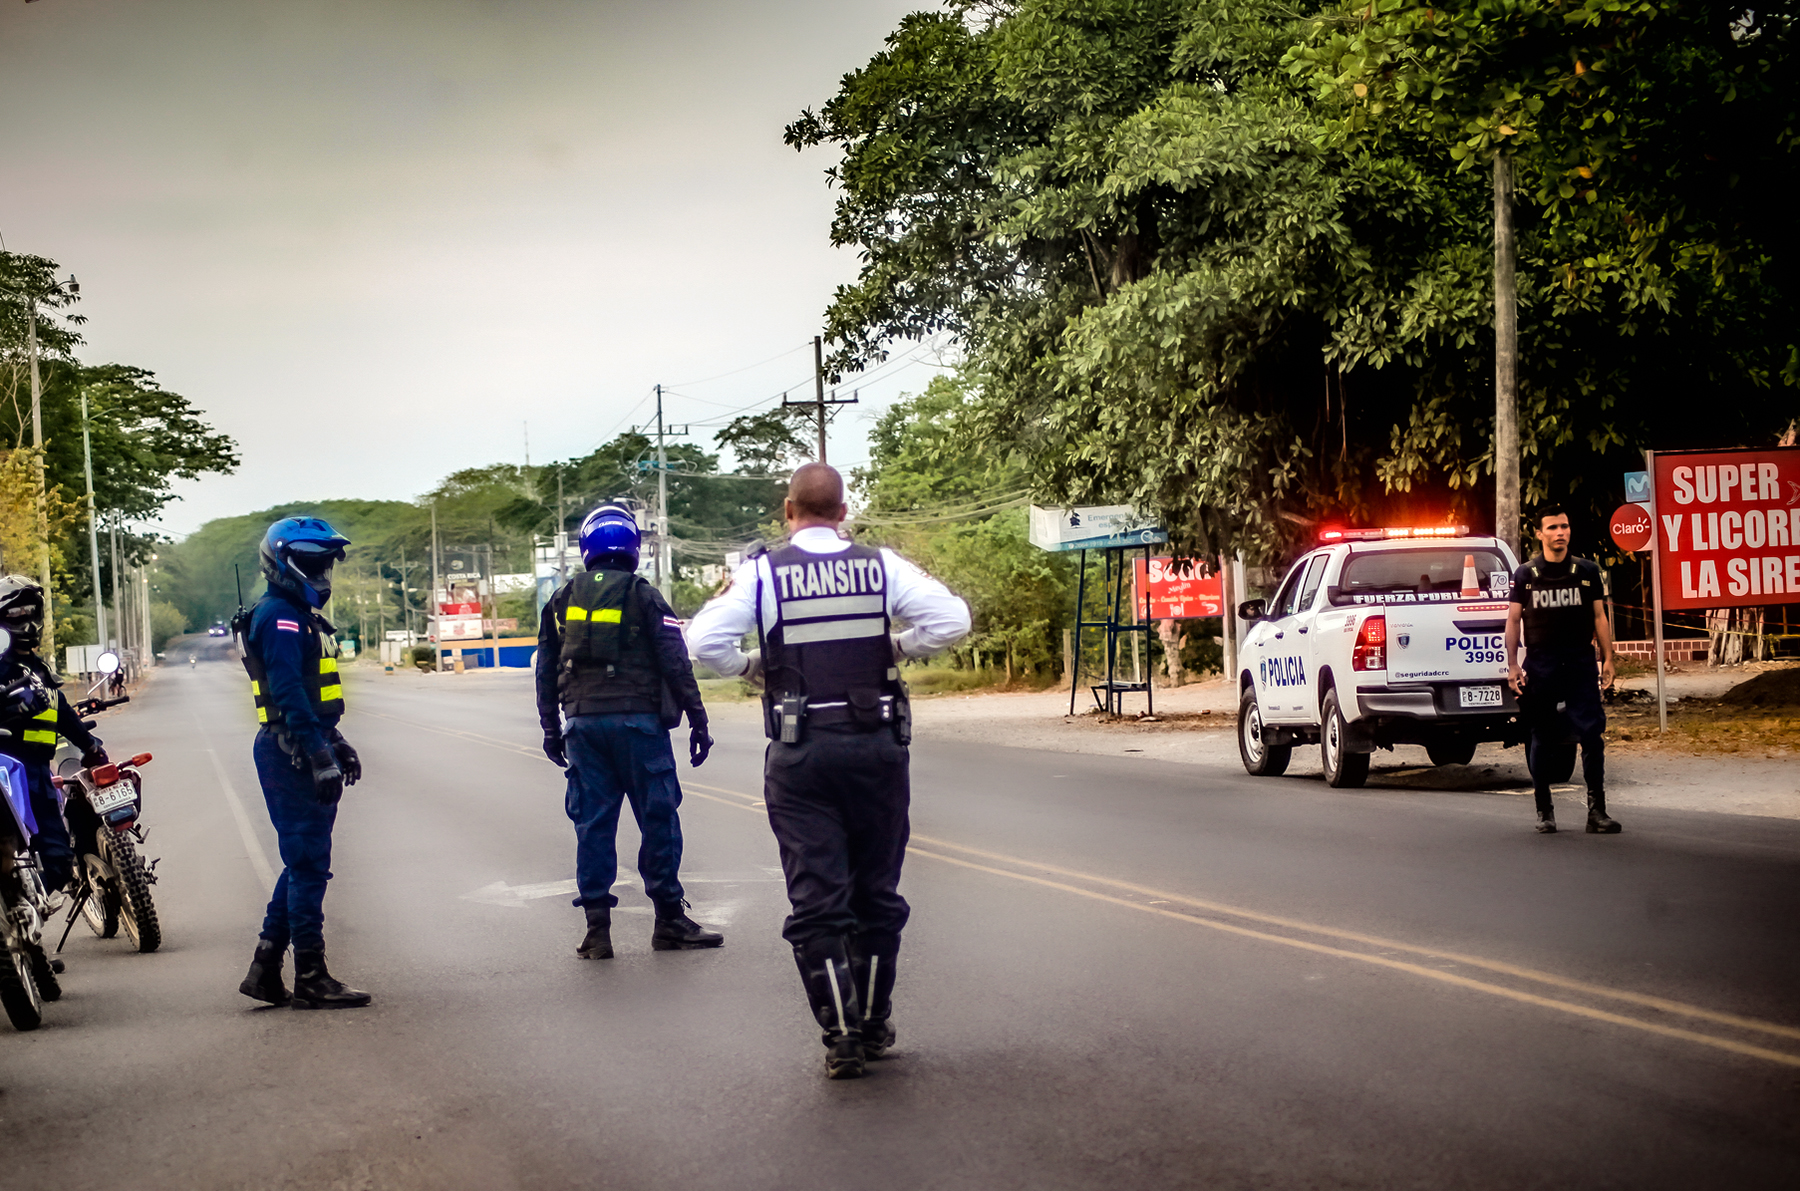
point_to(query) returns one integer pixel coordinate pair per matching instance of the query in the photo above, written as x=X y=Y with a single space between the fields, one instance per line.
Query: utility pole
x=665 y=552
x=562 y=532
x=149 y=640
x=405 y=601
x=819 y=388
x=494 y=595
x=118 y=605
x=662 y=503
x=437 y=609
x=1506 y=360
x=43 y=506
x=819 y=402
x=87 y=464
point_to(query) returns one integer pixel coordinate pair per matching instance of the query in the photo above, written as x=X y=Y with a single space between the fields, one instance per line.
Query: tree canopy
x=1209 y=259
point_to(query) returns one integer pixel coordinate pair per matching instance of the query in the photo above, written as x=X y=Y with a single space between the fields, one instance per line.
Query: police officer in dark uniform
x=835 y=777
x=302 y=760
x=34 y=715
x=613 y=679
x=1558 y=605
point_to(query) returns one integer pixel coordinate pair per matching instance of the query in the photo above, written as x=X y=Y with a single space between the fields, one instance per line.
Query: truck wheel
x=1342 y=767
x=1260 y=759
x=1451 y=752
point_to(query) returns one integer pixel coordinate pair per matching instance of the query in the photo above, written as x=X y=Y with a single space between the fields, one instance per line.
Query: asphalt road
x=1120 y=973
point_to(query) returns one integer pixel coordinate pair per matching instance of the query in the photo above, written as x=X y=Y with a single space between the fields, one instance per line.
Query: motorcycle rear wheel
x=19 y=992
x=137 y=913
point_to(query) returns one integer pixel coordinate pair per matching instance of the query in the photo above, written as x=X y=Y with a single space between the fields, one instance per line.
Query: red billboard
x=1178 y=590
x=1728 y=527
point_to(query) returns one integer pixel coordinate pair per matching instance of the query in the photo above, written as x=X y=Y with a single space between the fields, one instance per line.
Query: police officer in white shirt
x=835 y=776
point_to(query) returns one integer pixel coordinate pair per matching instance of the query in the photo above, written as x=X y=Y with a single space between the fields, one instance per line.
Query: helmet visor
x=314 y=560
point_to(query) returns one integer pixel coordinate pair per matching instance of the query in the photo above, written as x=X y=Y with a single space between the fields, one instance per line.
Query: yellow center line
x=745 y=802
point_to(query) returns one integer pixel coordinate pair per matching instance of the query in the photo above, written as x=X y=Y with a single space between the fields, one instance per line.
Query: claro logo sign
x=1632 y=528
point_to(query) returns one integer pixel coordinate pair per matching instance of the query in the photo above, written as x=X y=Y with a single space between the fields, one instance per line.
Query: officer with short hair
x=835 y=777
x=613 y=679
x=302 y=761
x=1559 y=608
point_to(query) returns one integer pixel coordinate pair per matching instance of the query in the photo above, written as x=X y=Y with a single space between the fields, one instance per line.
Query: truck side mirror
x=1252 y=610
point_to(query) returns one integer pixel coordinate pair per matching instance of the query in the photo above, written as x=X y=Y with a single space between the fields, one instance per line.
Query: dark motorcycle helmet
x=297 y=556
x=22 y=610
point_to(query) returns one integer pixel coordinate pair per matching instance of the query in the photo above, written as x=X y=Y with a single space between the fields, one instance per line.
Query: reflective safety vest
x=830 y=640
x=595 y=624
x=319 y=665
x=45 y=732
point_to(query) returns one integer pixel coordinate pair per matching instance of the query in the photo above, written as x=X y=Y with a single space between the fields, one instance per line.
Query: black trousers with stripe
x=838 y=803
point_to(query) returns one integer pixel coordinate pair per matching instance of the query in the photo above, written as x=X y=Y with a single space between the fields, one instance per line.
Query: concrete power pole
x=663 y=558
x=87 y=463
x=43 y=500
x=437 y=609
x=1506 y=360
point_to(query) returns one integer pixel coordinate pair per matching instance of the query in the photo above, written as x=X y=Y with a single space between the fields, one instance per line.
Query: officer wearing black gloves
x=302 y=760
x=1559 y=608
x=836 y=776
x=34 y=714
x=613 y=679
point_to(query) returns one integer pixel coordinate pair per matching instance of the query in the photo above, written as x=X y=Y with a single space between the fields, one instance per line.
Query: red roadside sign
x=1631 y=528
x=1177 y=590
x=1728 y=527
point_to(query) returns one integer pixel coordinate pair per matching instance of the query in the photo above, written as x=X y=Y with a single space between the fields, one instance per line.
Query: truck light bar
x=1391 y=532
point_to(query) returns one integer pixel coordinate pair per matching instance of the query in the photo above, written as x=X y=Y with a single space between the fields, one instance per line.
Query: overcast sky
x=372 y=239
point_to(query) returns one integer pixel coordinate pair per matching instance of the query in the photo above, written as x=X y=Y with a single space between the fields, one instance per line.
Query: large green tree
x=1188 y=278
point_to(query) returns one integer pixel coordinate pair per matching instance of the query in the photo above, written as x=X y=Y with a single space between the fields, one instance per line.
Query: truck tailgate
x=1447 y=642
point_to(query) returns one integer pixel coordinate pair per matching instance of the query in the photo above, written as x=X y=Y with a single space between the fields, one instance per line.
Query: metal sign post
x=1656 y=600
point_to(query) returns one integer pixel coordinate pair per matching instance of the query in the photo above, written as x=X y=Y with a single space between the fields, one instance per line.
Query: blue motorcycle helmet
x=610 y=538
x=297 y=555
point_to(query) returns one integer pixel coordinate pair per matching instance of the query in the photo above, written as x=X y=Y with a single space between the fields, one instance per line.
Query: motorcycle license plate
x=111 y=798
x=1480 y=696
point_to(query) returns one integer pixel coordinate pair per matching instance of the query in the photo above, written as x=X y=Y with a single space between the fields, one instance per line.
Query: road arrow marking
x=502 y=894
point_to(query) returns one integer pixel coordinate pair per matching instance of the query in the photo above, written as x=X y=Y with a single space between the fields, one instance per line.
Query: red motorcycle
x=101 y=806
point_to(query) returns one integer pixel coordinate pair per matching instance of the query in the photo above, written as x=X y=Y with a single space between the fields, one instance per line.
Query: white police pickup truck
x=1379 y=637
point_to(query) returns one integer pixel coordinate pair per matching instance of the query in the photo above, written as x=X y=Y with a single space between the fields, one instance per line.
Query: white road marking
x=259 y=860
x=502 y=894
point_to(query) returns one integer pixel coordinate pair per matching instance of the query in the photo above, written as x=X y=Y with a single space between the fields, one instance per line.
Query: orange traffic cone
x=1471 y=585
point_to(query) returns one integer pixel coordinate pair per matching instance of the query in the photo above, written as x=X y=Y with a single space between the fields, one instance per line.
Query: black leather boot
x=1598 y=823
x=1546 y=822
x=830 y=982
x=314 y=987
x=263 y=983
x=597 y=943
x=874 y=968
x=675 y=931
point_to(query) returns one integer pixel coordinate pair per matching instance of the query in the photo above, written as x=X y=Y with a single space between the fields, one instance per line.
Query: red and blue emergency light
x=1391 y=532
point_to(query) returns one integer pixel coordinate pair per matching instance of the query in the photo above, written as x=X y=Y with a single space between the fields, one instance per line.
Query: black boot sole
x=352 y=1003
x=679 y=945
x=1596 y=829
x=257 y=992
x=605 y=952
